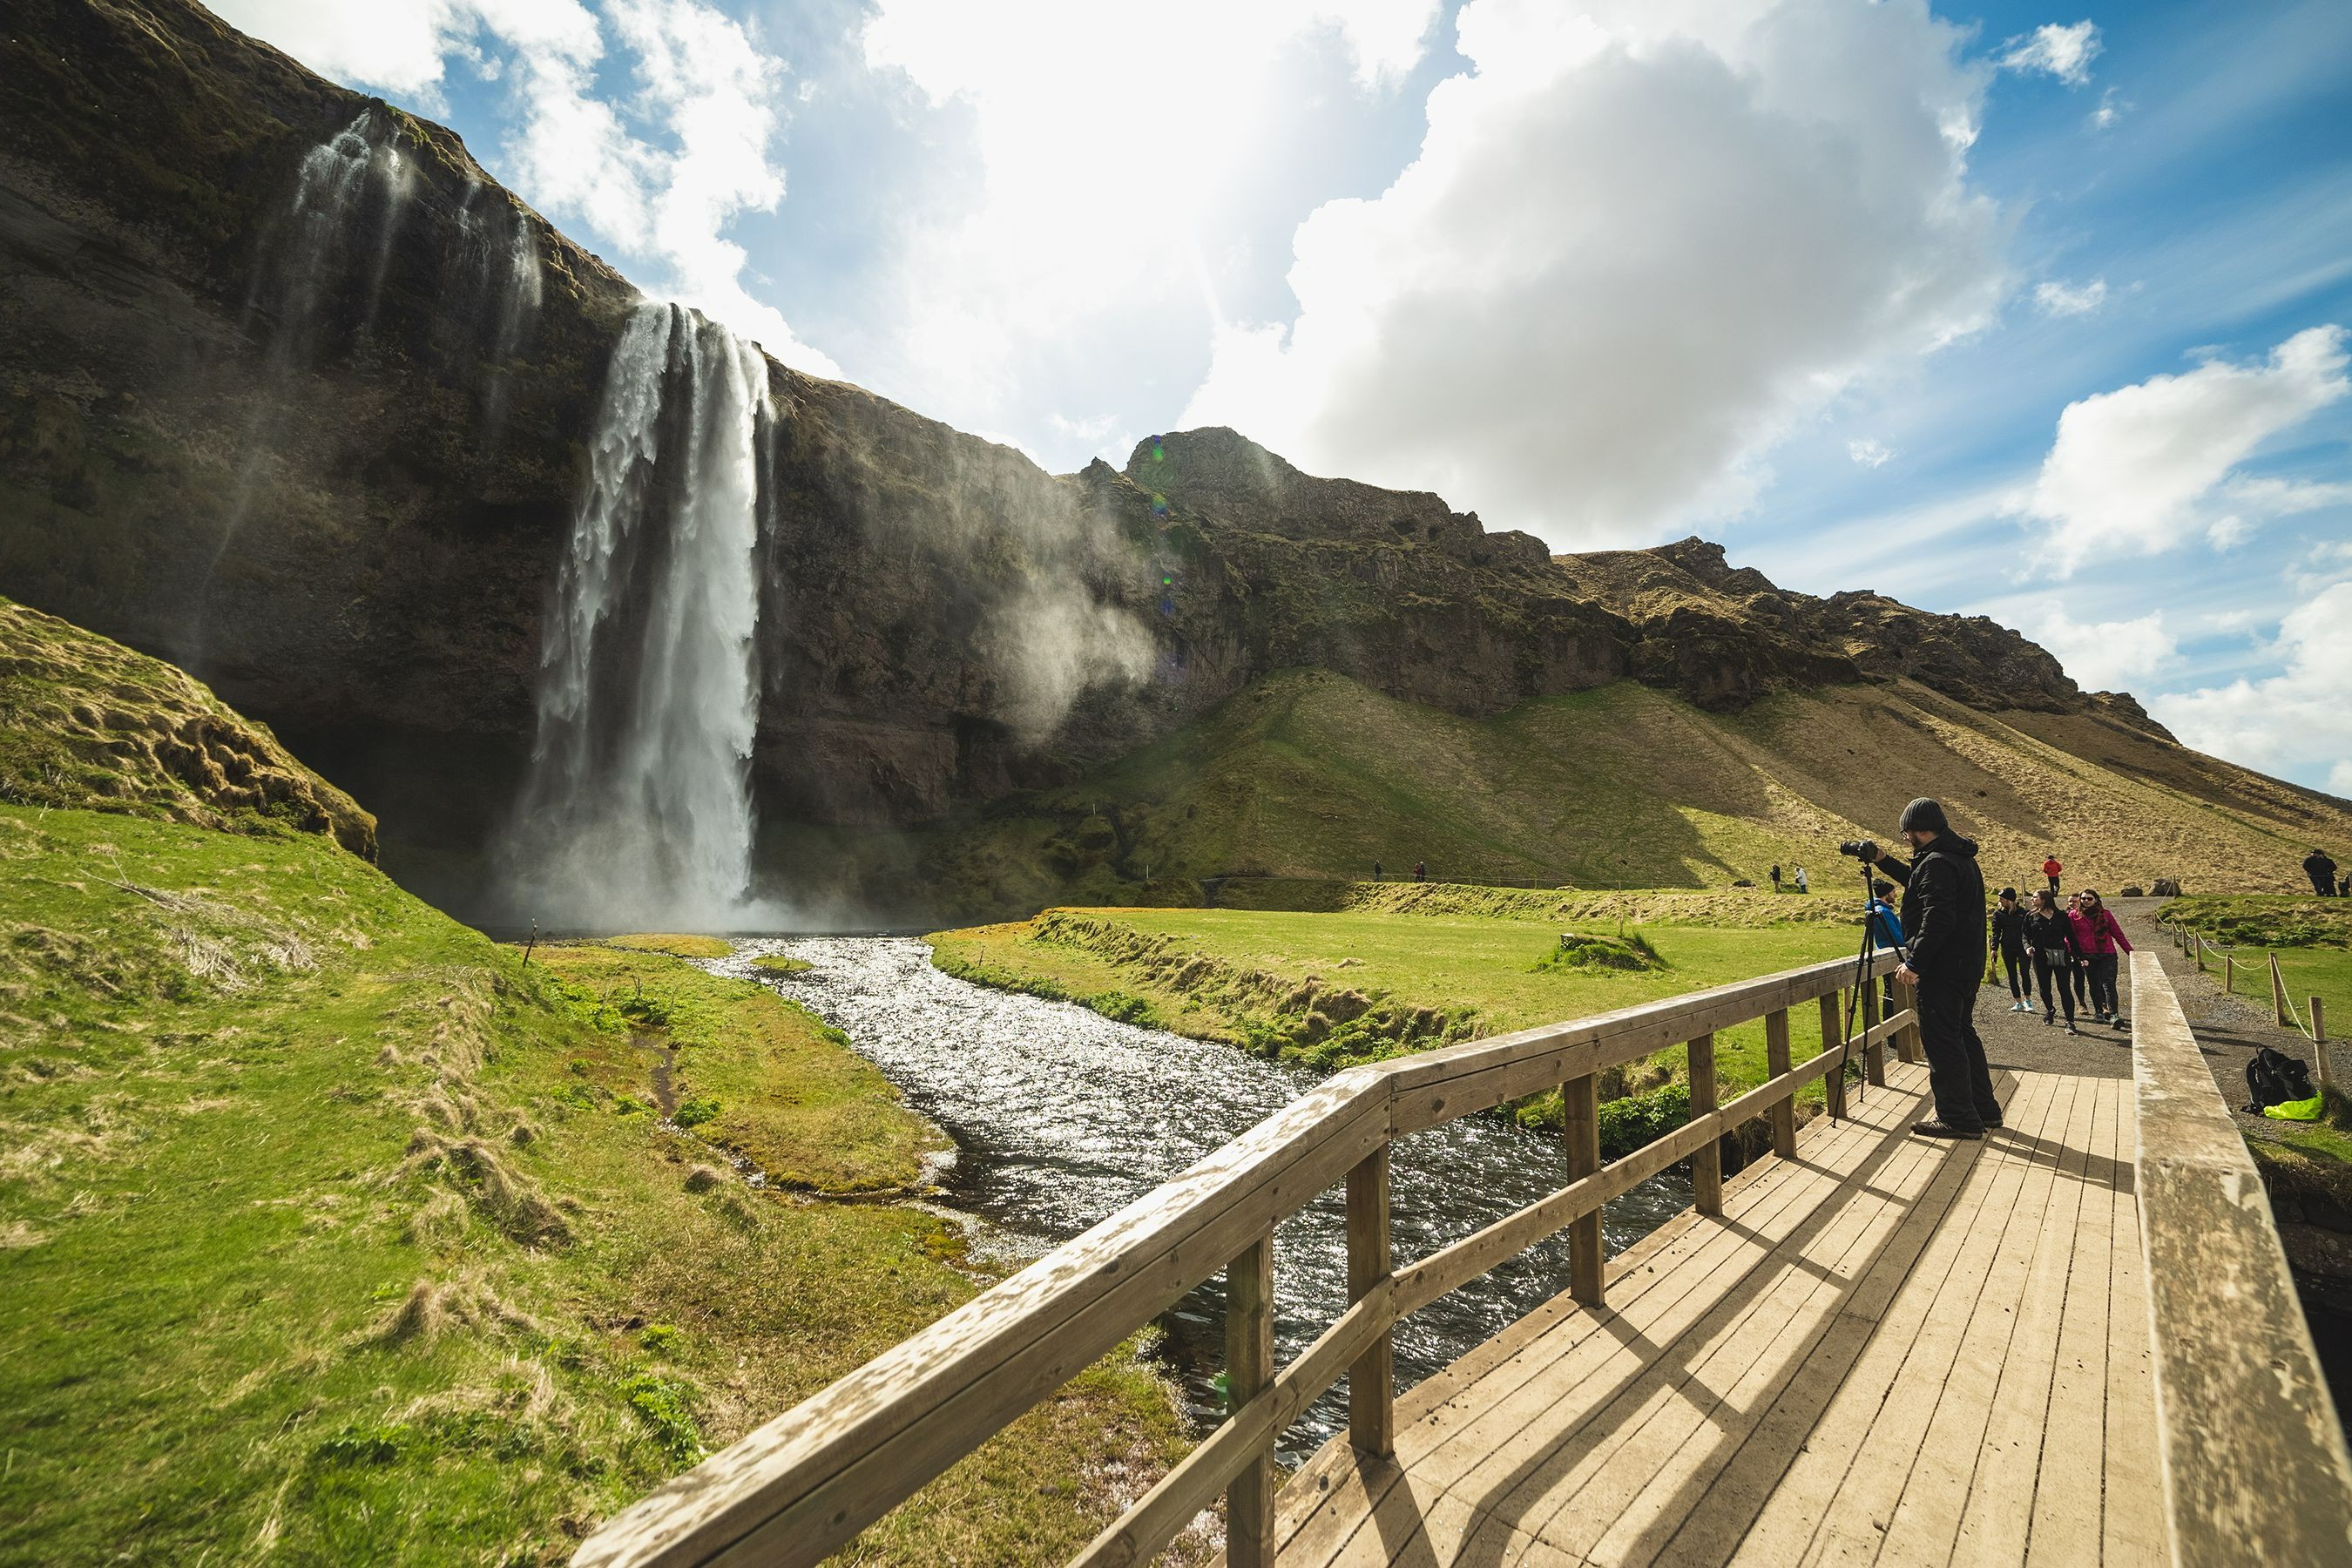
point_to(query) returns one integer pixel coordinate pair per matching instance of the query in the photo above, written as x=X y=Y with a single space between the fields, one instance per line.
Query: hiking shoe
x=2048 y=1019
x=1936 y=1128
x=2120 y=1022
x=2072 y=1030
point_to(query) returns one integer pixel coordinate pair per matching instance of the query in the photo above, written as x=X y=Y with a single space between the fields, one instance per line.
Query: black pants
x=2020 y=983
x=2103 y=986
x=2324 y=887
x=1955 y=1054
x=2057 y=987
x=2053 y=884
x=2080 y=976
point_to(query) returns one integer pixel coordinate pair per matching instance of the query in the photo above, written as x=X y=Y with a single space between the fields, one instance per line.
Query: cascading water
x=350 y=196
x=495 y=274
x=637 y=810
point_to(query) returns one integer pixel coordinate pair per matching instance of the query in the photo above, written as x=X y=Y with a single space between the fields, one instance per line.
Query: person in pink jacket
x=2100 y=936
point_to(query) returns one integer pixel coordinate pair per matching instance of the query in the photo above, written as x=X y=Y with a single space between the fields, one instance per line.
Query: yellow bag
x=2296 y=1110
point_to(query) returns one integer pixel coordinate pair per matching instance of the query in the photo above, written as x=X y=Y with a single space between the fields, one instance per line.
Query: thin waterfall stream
x=1061 y=1116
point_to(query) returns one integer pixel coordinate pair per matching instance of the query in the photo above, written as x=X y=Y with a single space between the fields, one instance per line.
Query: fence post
x=2228 y=975
x=1832 y=1081
x=2278 y=991
x=2319 y=1044
x=1371 y=1380
x=1707 y=1162
x=1907 y=1042
x=1579 y=1116
x=1776 y=1062
x=1249 y=1368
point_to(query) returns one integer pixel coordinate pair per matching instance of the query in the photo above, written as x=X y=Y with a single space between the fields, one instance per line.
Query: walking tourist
x=1943 y=912
x=1376 y=870
x=2008 y=939
x=2322 y=872
x=1802 y=886
x=2102 y=939
x=2049 y=868
x=1420 y=870
x=2080 y=974
x=1776 y=876
x=2050 y=934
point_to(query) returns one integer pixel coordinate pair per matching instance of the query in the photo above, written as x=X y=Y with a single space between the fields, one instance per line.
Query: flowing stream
x=1061 y=1116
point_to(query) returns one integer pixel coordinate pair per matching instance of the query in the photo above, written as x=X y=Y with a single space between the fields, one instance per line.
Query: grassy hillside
x=1310 y=774
x=332 y=1231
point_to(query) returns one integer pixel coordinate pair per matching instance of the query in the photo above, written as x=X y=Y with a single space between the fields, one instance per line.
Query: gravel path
x=2228 y=1028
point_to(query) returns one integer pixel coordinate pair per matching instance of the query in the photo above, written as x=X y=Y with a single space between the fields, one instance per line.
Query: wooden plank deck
x=1887 y=1349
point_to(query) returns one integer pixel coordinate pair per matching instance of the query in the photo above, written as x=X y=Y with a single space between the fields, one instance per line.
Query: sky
x=2023 y=309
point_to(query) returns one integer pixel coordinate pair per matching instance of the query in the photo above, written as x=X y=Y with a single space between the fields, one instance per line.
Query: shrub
x=695 y=1111
x=1628 y=1123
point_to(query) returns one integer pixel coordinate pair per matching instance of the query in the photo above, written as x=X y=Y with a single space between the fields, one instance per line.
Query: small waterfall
x=637 y=809
x=494 y=285
x=349 y=197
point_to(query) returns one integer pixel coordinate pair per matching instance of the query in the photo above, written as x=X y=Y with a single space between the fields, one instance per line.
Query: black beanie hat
x=1925 y=815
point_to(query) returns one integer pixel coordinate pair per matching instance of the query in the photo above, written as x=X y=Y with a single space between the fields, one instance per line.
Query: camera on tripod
x=1862 y=849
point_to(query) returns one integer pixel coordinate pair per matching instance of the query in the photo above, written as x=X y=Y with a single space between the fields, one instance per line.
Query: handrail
x=803 y=1484
x=2255 y=1467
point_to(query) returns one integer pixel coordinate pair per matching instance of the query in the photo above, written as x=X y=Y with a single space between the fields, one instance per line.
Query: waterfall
x=352 y=191
x=493 y=285
x=637 y=808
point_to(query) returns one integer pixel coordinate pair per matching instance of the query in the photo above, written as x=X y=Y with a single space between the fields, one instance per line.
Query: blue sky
x=2009 y=309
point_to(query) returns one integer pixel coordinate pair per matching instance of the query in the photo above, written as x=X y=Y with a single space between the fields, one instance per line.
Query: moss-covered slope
x=84 y=721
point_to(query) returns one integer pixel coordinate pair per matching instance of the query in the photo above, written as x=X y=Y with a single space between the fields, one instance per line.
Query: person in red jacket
x=2101 y=939
x=2051 y=868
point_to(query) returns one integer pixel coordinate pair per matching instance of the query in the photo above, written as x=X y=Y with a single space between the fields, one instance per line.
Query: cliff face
x=294 y=396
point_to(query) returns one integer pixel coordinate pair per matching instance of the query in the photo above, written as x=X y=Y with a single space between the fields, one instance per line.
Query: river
x=1061 y=1116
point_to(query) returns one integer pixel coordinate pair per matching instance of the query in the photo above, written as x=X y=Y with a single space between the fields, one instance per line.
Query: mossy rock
x=1583 y=952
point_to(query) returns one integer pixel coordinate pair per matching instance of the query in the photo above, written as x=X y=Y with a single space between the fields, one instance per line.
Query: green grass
x=2311 y=937
x=330 y=1232
x=1329 y=990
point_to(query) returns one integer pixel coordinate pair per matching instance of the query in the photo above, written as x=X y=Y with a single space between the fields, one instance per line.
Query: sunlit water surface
x=1061 y=1116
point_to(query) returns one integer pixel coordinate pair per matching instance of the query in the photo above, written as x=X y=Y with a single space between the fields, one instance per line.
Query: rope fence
x=2194 y=944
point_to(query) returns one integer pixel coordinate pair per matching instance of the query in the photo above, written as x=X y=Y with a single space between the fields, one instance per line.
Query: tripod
x=1862 y=979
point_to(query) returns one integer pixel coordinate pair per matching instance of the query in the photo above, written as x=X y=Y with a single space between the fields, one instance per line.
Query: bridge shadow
x=1424 y=1519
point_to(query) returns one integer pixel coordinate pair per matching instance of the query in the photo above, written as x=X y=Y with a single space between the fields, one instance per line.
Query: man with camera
x=1943 y=913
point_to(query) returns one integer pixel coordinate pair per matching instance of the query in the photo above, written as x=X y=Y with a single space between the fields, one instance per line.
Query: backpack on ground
x=2274 y=1078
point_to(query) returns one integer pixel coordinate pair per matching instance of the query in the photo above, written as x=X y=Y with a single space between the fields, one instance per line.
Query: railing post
x=1371 y=1379
x=1579 y=1117
x=1832 y=1038
x=2228 y=975
x=1776 y=1062
x=1707 y=1162
x=1906 y=1039
x=2278 y=992
x=1249 y=1368
x=1873 y=1055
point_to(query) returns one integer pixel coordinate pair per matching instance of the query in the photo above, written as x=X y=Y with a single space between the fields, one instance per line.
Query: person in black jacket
x=2057 y=953
x=1944 y=912
x=2009 y=946
x=2322 y=872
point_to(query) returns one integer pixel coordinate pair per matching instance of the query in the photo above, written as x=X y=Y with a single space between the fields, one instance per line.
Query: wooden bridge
x=2074 y=1342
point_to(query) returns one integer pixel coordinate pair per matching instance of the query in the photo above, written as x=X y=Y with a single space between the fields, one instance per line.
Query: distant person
x=1376 y=870
x=2102 y=939
x=2007 y=940
x=1944 y=912
x=2344 y=889
x=2051 y=868
x=1775 y=878
x=2322 y=872
x=1802 y=886
x=1885 y=930
x=1420 y=870
x=2050 y=936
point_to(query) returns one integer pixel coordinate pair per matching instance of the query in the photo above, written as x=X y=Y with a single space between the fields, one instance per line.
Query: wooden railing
x=2198 y=950
x=801 y=1486
x=2255 y=1467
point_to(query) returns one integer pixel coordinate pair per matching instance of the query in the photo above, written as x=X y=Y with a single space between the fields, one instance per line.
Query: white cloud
x=2064 y=52
x=1869 y=453
x=706 y=93
x=1106 y=140
x=2296 y=720
x=2108 y=655
x=2129 y=468
x=2061 y=298
x=2226 y=533
x=2111 y=109
x=1639 y=243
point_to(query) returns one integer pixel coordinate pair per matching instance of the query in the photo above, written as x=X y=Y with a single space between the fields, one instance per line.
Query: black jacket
x=2054 y=934
x=2009 y=930
x=2316 y=866
x=1943 y=909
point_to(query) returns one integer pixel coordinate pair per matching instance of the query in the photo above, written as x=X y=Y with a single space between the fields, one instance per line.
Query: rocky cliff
x=294 y=394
